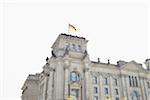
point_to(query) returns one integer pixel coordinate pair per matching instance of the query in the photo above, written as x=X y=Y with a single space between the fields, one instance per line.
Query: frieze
x=115 y=76
x=105 y=75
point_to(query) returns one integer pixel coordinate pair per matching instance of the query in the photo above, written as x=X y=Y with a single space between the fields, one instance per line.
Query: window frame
x=74 y=76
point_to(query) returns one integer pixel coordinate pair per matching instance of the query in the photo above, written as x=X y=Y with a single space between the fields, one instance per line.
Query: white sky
x=115 y=30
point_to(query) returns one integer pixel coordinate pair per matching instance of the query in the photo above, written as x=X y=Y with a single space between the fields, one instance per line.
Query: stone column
x=59 y=80
x=50 y=85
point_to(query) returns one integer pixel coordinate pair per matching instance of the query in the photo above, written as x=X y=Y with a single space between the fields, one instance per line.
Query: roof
x=104 y=63
x=31 y=77
x=72 y=36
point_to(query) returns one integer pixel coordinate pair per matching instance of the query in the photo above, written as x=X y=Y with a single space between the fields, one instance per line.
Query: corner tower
x=69 y=59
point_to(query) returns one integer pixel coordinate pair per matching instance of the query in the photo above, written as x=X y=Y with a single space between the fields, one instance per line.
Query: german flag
x=71 y=27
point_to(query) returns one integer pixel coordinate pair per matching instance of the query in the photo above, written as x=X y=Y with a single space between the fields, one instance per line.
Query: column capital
x=66 y=67
x=66 y=63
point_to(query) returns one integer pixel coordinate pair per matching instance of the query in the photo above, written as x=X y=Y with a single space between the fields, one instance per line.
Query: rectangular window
x=115 y=82
x=130 y=81
x=106 y=81
x=94 y=80
x=148 y=85
x=136 y=82
x=75 y=92
x=116 y=92
x=105 y=91
x=95 y=97
x=133 y=82
x=95 y=90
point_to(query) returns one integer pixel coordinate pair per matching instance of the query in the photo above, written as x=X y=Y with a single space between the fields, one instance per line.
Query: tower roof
x=69 y=35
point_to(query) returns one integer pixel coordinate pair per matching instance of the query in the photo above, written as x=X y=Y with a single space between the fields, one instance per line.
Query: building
x=70 y=73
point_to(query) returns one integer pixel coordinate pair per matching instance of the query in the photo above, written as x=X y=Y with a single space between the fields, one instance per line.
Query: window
x=105 y=91
x=78 y=47
x=75 y=93
x=94 y=80
x=134 y=95
x=66 y=46
x=74 y=46
x=116 y=92
x=95 y=97
x=105 y=81
x=115 y=82
x=95 y=90
x=71 y=47
x=117 y=98
x=136 y=82
x=133 y=81
x=148 y=85
x=74 y=76
x=130 y=81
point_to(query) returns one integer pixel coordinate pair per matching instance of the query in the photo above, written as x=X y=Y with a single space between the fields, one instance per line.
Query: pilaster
x=86 y=82
x=111 y=88
x=101 y=87
x=127 y=87
x=145 y=88
x=123 y=88
x=141 y=85
x=66 y=82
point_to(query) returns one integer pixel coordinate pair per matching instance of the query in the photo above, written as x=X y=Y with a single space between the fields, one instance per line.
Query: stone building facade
x=70 y=73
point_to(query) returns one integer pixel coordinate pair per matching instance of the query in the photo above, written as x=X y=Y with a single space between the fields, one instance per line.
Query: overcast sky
x=116 y=30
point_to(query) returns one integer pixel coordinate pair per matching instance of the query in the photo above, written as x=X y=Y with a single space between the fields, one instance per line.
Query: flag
x=71 y=28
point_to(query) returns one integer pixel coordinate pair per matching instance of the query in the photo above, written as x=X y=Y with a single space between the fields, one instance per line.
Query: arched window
x=74 y=76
